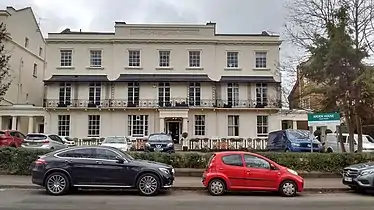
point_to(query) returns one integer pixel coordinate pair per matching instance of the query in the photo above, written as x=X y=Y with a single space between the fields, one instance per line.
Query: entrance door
x=174 y=131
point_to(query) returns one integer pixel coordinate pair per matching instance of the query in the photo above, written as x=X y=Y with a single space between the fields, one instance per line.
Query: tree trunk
x=350 y=124
x=359 y=132
x=340 y=137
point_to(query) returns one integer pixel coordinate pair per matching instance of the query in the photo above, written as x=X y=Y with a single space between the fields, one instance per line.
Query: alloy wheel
x=56 y=184
x=148 y=185
x=288 y=189
x=216 y=187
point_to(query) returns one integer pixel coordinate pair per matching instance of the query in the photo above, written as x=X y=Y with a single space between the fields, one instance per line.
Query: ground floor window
x=138 y=125
x=200 y=125
x=233 y=125
x=93 y=125
x=63 y=125
x=262 y=126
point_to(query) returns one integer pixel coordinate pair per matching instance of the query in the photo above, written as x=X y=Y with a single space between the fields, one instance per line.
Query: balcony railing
x=154 y=103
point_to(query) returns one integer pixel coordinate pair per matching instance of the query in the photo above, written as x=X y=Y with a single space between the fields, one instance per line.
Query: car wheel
x=288 y=188
x=329 y=150
x=57 y=183
x=217 y=187
x=287 y=150
x=148 y=184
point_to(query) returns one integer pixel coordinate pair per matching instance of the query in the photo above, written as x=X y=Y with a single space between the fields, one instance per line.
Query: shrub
x=17 y=161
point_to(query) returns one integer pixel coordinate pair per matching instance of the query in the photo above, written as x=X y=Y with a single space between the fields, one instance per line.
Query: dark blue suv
x=159 y=142
x=293 y=141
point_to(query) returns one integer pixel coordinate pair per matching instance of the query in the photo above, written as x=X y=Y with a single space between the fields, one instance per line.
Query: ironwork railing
x=154 y=103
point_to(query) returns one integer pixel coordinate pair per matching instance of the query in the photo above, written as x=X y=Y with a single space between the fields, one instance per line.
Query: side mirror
x=120 y=159
x=273 y=167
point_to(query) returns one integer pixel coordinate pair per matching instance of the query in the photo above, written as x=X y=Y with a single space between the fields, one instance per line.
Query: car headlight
x=165 y=170
x=292 y=172
x=295 y=144
x=147 y=144
x=170 y=145
x=173 y=170
x=367 y=172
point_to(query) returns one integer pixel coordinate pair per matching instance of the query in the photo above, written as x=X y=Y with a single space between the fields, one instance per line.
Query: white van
x=332 y=144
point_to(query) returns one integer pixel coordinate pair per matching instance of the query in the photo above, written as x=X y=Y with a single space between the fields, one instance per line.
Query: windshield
x=298 y=134
x=36 y=137
x=68 y=138
x=115 y=140
x=370 y=139
x=160 y=137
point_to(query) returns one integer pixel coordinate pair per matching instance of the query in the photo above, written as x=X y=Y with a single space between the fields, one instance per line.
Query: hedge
x=17 y=161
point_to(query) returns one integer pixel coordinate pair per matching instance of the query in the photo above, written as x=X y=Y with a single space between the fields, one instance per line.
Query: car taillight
x=45 y=142
x=40 y=162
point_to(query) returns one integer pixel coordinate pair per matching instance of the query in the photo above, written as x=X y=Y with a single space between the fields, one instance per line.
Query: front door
x=259 y=173
x=174 y=131
x=109 y=170
x=234 y=169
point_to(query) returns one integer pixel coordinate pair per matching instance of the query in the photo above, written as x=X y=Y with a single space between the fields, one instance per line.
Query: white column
x=31 y=125
x=14 y=122
x=1 y=122
x=162 y=125
x=294 y=124
x=185 y=125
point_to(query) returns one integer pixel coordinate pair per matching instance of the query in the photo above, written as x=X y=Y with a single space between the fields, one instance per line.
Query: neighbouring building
x=150 y=78
x=21 y=108
x=299 y=97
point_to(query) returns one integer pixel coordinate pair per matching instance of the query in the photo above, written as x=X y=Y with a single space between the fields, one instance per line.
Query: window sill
x=261 y=69
x=95 y=67
x=65 y=67
x=194 y=68
x=262 y=135
x=164 y=68
x=233 y=69
x=35 y=76
x=133 y=67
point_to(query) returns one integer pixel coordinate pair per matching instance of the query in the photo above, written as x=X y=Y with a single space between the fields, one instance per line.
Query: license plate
x=347 y=179
x=158 y=149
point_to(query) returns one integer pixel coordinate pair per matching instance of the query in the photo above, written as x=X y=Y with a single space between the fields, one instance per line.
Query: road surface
x=179 y=200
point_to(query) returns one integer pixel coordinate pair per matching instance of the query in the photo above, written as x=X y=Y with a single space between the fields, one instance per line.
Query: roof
x=78 y=78
x=163 y=78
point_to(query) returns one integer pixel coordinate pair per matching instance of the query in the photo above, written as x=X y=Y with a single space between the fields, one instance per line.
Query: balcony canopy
x=249 y=79
x=163 y=78
x=77 y=78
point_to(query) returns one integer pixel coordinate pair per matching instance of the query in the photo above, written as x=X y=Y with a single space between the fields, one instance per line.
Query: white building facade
x=143 y=79
x=21 y=107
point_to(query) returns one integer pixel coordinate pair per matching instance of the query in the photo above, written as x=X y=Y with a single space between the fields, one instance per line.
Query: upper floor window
x=194 y=58
x=261 y=60
x=35 y=70
x=95 y=58
x=233 y=94
x=232 y=60
x=133 y=93
x=194 y=94
x=65 y=94
x=26 y=42
x=164 y=94
x=40 y=52
x=94 y=94
x=261 y=93
x=66 y=58
x=134 y=58
x=164 y=60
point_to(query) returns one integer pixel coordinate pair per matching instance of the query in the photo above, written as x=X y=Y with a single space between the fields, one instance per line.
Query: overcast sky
x=231 y=16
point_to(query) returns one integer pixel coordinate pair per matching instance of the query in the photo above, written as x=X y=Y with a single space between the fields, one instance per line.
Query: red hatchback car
x=234 y=171
x=10 y=138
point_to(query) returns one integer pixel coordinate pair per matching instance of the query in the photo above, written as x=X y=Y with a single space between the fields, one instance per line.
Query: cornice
x=163 y=41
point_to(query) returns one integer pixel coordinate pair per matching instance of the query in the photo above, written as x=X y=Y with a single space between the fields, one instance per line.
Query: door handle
x=68 y=161
x=220 y=169
x=99 y=162
x=248 y=171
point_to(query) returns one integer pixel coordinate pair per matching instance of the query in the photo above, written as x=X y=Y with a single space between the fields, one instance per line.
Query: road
x=179 y=200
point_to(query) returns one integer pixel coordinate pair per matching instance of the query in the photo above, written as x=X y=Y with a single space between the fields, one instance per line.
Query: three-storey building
x=162 y=78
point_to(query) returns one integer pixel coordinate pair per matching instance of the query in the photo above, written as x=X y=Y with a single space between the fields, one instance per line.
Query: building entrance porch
x=175 y=122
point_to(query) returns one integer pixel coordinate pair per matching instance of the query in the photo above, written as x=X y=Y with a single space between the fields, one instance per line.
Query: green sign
x=323 y=119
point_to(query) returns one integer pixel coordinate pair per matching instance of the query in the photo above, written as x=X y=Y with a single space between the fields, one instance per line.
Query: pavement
x=189 y=183
x=17 y=199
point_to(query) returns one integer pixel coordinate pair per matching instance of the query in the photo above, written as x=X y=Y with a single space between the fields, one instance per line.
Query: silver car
x=43 y=141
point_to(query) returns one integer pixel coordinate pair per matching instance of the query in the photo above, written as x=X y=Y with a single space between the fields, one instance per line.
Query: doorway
x=173 y=127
